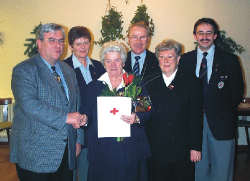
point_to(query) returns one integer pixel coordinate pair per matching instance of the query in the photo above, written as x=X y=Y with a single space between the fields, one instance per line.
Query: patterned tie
x=136 y=68
x=58 y=78
x=203 y=69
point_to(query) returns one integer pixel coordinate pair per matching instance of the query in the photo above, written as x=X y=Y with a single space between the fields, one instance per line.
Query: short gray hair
x=46 y=28
x=113 y=46
x=168 y=45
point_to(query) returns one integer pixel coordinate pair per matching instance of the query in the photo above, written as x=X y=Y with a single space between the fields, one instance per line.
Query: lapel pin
x=220 y=84
x=171 y=87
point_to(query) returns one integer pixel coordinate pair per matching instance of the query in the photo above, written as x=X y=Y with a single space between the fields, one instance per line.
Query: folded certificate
x=109 y=111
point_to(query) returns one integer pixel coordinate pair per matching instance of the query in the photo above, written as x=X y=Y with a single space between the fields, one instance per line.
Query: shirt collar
x=169 y=79
x=210 y=51
x=48 y=65
x=142 y=55
x=105 y=78
x=77 y=63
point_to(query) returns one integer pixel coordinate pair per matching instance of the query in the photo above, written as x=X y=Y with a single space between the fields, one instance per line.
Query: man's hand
x=76 y=119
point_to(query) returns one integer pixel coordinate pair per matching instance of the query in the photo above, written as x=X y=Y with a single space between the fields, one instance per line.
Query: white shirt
x=169 y=79
x=105 y=78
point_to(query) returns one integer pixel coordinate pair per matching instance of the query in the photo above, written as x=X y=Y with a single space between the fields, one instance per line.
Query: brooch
x=220 y=84
x=171 y=87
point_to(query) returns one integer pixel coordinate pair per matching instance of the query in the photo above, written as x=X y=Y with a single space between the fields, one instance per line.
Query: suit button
x=65 y=140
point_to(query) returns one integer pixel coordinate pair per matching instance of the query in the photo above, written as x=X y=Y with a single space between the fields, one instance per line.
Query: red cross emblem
x=114 y=111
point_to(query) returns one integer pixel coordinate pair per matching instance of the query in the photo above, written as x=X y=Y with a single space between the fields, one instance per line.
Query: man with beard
x=221 y=75
x=140 y=61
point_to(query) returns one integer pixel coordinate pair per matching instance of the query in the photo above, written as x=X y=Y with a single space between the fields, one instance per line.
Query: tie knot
x=53 y=68
x=205 y=54
x=137 y=58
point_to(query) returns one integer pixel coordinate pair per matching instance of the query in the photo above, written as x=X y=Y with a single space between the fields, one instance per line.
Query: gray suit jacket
x=39 y=132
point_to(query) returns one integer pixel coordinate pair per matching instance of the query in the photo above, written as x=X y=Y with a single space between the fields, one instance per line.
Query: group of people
x=188 y=134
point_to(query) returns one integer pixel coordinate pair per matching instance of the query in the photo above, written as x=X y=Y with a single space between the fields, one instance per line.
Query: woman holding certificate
x=116 y=141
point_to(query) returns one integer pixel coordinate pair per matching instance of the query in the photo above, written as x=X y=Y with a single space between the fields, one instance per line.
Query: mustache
x=205 y=40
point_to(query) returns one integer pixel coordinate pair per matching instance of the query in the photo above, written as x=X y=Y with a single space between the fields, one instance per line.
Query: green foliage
x=228 y=44
x=142 y=15
x=111 y=27
x=107 y=92
x=133 y=90
x=31 y=43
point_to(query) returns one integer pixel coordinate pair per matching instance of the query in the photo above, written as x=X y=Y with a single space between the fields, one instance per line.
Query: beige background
x=173 y=19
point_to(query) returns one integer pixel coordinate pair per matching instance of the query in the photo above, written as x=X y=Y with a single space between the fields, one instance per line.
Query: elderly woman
x=174 y=130
x=110 y=160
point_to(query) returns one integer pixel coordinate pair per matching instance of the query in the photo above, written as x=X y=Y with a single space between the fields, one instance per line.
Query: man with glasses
x=140 y=61
x=221 y=75
x=46 y=119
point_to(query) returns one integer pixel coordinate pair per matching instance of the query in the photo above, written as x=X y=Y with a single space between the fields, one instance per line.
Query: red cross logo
x=114 y=111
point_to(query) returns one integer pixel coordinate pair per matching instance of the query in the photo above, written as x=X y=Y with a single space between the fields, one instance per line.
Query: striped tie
x=136 y=68
x=203 y=69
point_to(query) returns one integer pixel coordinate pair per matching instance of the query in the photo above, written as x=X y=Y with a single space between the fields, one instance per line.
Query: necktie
x=203 y=69
x=136 y=68
x=58 y=78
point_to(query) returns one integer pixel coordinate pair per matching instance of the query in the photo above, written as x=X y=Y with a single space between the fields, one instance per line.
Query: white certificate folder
x=109 y=111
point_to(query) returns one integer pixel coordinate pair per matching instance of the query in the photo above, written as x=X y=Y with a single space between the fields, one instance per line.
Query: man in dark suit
x=44 y=132
x=222 y=80
x=86 y=70
x=174 y=131
x=140 y=61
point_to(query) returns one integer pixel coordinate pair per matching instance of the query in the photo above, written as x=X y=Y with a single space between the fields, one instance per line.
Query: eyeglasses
x=54 y=41
x=109 y=61
x=142 y=38
x=208 y=33
x=169 y=58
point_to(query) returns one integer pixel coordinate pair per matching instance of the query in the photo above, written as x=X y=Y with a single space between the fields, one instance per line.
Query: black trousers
x=63 y=173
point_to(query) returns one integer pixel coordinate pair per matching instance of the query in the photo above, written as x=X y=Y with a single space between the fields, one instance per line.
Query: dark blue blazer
x=175 y=126
x=220 y=102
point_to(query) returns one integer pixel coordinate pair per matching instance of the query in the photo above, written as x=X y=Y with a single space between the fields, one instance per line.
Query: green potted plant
x=228 y=44
x=142 y=15
x=112 y=26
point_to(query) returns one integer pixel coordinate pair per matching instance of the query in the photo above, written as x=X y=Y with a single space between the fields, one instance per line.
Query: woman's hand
x=130 y=119
x=195 y=156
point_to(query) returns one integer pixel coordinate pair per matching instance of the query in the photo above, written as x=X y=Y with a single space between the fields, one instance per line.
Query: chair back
x=6 y=109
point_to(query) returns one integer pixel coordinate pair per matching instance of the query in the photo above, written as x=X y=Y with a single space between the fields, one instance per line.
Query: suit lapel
x=145 y=65
x=127 y=65
x=216 y=69
x=45 y=73
x=92 y=71
x=67 y=79
x=194 y=61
